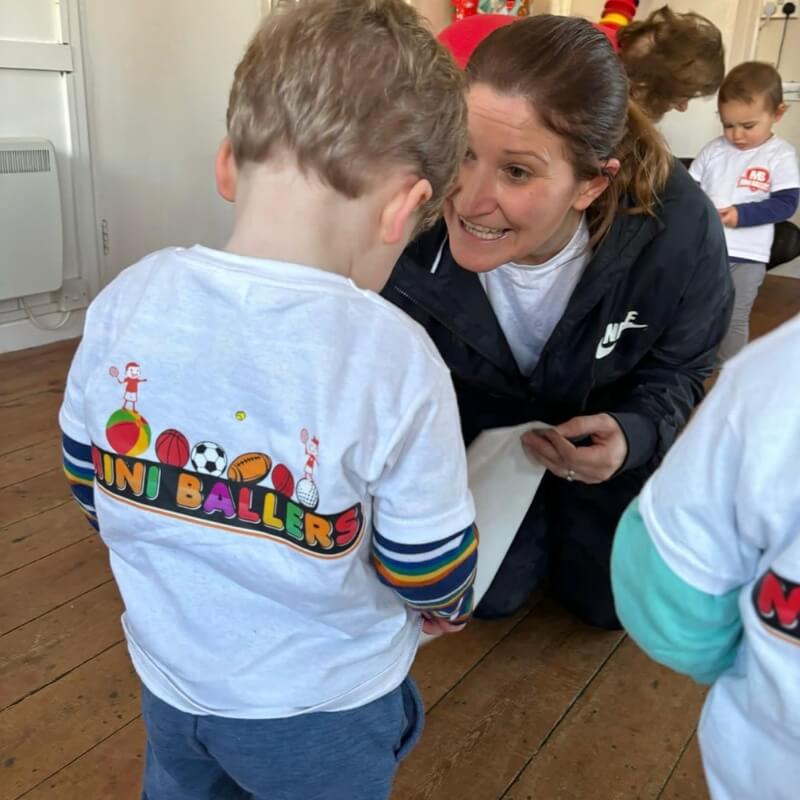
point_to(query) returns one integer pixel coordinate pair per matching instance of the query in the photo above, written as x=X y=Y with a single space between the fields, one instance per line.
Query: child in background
x=274 y=605
x=671 y=58
x=752 y=178
x=706 y=569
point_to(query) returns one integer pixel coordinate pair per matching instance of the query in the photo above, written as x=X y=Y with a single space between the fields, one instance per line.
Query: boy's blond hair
x=750 y=81
x=349 y=88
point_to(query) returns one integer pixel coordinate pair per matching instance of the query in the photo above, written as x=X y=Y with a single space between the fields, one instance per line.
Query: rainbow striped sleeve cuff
x=80 y=473
x=435 y=578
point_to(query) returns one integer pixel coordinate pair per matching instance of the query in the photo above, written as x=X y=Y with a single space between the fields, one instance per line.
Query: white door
x=158 y=78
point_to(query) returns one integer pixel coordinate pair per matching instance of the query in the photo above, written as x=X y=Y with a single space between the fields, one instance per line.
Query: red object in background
x=468 y=31
x=610 y=21
x=465 y=8
x=625 y=7
x=464 y=35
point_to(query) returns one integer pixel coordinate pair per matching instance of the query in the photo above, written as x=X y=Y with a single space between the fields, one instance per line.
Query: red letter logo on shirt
x=756 y=179
x=777 y=603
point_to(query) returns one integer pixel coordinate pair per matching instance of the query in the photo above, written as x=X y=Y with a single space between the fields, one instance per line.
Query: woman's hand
x=594 y=463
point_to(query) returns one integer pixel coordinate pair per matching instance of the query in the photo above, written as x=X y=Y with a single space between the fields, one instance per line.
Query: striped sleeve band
x=77 y=462
x=435 y=578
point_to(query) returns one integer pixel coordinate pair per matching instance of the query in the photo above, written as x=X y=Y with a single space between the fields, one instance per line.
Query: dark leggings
x=573 y=560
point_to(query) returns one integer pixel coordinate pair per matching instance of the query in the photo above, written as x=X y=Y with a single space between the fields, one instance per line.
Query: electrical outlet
x=74 y=294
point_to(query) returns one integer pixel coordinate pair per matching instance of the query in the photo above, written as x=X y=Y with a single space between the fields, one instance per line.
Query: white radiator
x=31 y=242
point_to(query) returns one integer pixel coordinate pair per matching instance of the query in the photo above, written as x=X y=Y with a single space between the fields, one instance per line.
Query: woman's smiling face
x=516 y=197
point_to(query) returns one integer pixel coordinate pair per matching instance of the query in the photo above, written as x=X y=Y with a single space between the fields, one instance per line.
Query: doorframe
x=745 y=33
x=87 y=234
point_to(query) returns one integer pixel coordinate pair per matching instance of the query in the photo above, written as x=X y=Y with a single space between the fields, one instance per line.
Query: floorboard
x=537 y=706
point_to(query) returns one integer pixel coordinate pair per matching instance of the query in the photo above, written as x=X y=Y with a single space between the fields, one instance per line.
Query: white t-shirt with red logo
x=730 y=177
x=723 y=512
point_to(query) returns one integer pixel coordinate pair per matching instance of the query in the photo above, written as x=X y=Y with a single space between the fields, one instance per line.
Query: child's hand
x=729 y=216
x=436 y=626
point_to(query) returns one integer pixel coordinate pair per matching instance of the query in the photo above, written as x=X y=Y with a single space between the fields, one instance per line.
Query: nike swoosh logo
x=603 y=351
x=613 y=333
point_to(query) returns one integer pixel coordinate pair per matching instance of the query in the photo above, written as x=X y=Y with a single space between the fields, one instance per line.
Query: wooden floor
x=538 y=706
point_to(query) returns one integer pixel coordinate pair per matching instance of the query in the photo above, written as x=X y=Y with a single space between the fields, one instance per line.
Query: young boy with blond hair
x=288 y=500
x=752 y=178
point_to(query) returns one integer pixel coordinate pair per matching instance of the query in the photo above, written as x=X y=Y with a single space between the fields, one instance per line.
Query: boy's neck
x=283 y=215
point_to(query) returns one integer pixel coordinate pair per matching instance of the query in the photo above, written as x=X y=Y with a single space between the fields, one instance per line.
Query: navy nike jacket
x=637 y=339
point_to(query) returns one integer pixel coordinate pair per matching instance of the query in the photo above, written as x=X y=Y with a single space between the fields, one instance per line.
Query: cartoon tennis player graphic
x=306 y=490
x=131 y=381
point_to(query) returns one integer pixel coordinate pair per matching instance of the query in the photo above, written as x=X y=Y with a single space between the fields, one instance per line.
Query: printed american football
x=249 y=467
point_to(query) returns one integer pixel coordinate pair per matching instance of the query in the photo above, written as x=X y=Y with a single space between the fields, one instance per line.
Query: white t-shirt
x=730 y=176
x=723 y=512
x=280 y=413
x=528 y=301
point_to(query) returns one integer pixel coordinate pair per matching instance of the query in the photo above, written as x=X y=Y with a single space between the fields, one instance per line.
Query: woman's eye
x=518 y=174
x=469 y=156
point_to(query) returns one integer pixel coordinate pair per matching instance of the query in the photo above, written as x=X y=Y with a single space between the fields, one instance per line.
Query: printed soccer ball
x=209 y=459
x=307 y=493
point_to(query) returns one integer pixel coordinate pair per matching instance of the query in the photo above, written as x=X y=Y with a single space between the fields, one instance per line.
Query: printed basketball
x=128 y=432
x=282 y=480
x=249 y=467
x=172 y=448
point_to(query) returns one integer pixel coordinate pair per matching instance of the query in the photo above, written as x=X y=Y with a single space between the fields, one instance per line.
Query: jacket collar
x=455 y=298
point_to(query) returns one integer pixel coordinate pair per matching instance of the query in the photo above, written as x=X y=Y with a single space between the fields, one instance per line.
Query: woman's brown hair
x=671 y=58
x=566 y=70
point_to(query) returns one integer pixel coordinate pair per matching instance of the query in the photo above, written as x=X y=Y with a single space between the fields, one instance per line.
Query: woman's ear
x=399 y=214
x=592 y=189
x=225 y=171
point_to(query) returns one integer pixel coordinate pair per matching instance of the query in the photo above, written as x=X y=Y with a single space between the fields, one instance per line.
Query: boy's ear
x=225 y=171
x=594 y=187
x=401 y=208
x=780 y=111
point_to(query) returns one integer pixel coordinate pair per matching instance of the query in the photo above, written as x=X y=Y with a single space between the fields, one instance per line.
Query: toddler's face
x=747 y=125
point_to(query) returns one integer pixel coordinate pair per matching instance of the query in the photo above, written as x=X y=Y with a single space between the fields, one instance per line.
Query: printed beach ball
x=128 y=432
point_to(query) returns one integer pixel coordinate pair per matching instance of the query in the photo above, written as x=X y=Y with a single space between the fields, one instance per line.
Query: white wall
x=50 y=104
x=767 y=50
x=438 y=12
x=769 y=39
x=159 y=76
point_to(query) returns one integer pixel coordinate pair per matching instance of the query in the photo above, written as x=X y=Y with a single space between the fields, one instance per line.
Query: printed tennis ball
x=128 y=432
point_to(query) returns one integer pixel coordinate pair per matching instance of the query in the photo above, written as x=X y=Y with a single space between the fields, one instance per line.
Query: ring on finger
x=570 y=476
